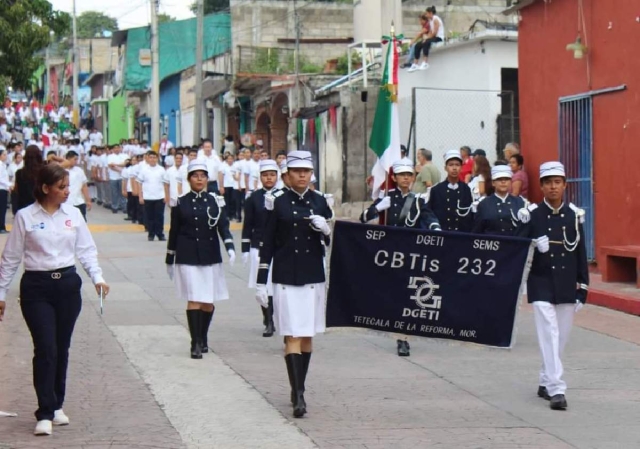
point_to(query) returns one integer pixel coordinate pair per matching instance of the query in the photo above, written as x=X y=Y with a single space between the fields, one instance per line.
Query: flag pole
x=386 y=180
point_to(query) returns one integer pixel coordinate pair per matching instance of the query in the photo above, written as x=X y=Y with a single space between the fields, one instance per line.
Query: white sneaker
x=423 y=66
x=60 y=419
x=413 y=68
x=43 y=427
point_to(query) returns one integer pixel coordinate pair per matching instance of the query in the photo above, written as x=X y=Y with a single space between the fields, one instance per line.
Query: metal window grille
x=576 y=153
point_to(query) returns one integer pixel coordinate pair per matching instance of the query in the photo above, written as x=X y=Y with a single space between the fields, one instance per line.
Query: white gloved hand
x=247 y=195
x=542 y=243
x=330 y=200
x=245 y=258
x=262 y=296
x=474 y=206
x=232 y=257
x=524 y=215
x=384 y=204
x=170 y=271
x=579 y=305
x=319 y=223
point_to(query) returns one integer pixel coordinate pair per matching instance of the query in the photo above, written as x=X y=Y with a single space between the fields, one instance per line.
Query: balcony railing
x=266 y=60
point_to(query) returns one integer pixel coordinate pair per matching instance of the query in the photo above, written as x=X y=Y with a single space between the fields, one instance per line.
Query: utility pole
x=297 y=55
x=155 y=76
x=197 y=116
x=76 y=68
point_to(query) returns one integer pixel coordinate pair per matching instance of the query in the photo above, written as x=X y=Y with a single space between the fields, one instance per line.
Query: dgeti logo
x=429 y=304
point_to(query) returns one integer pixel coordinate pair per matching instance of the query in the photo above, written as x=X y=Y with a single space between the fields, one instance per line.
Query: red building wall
x=548 y=71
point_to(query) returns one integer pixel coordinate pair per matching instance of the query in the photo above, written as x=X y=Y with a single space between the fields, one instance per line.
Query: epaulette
x=278 y=193
x=580 y=213
x=319 y=192
x=424 y=196
x=532 y=207
x=219 y=199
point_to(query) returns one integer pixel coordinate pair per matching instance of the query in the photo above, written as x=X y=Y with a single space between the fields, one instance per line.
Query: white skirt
x=254 y=256
x=201 y=283
x=299 y=311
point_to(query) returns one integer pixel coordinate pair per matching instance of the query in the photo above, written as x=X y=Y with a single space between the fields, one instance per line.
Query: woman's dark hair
x=431 y=9
x=48 y=175
x=484 y=169
x=519 y=159
x=32 y=162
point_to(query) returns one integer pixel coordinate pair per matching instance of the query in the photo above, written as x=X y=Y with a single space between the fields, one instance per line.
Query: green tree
x=93 y=23
x=163 y=18
x=26 y=27
x=212 y=6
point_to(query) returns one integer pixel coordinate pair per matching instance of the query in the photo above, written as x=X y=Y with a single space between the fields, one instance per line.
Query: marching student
x=255 y=218
x=403 y=209
x=193 y=254
x=292 y=240
x=283 y=181
x=49 y=235
x=559 y=277
x=497 y=214
x=451 y=199
x=173 y=180
x=152 y=196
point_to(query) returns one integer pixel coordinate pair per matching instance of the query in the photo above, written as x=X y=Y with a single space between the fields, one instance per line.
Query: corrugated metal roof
x=517 y=5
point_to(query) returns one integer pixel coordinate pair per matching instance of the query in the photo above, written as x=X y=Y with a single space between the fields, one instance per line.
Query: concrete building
x=468 y=96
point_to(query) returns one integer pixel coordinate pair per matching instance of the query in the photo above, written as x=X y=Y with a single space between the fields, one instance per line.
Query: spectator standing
x=481 y=185
x=466 y=172
x=213 y=163
x=173 y=181
x=520 y=180
x=428 y=174
x=165 y=146
x=510 y=149
x=116 y=163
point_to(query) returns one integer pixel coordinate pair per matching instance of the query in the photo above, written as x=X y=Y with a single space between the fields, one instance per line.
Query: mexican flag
x=385 y=135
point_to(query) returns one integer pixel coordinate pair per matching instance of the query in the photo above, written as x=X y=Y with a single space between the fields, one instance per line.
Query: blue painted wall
x=170 y=99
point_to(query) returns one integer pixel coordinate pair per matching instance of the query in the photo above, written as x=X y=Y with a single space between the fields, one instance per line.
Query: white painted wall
x=449 y=119
x=186 y=125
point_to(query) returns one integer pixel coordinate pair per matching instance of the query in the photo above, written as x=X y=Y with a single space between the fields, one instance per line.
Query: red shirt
x=467 y=169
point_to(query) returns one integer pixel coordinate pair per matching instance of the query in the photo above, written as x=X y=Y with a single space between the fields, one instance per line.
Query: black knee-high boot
x=194 y=318
x=206 y=322
x=306 y=359
x=269 y=326
x=295 y=368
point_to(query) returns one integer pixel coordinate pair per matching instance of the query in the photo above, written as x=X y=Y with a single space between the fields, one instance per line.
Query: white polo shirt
x=77 y=179
x=152 y=180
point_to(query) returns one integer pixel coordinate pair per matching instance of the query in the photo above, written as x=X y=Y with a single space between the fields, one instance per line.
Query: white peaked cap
x=299 y=159
x=452 y=154
x=501 y=171
x=553 y=168
x=402 y=167
x=197 y=165
x=268 y=165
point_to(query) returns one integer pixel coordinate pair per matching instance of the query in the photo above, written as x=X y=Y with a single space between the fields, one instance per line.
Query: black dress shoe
x=543 y=393
x=403 y=348
x=3 y=231
x=127 y=219
x=162 y=239
x=558 y=402
x=150 y=239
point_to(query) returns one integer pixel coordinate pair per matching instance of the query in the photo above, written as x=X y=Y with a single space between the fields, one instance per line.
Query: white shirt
x=474 y=185
x=77 y=179
x=102 y=167
x=48 y=242
x=253 y=171
x=241 y=166
x=152 y=180
x=96 y=138
x=440 y=32
x=169 y=161
x=229 y=172
x=27 y=132
x=186 y=187
x=11 y=171
x=84 y=135
x=5 y=182
x=114 y=175
x=213 y=164
x=173 y=178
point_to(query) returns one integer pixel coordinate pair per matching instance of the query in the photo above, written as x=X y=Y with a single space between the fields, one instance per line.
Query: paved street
x=132 y=385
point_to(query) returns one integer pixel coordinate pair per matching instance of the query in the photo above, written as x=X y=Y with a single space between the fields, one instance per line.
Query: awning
x=144 y=119
x=211 y=88
x=99 y=101
x=517 y=5
x=119 y=37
